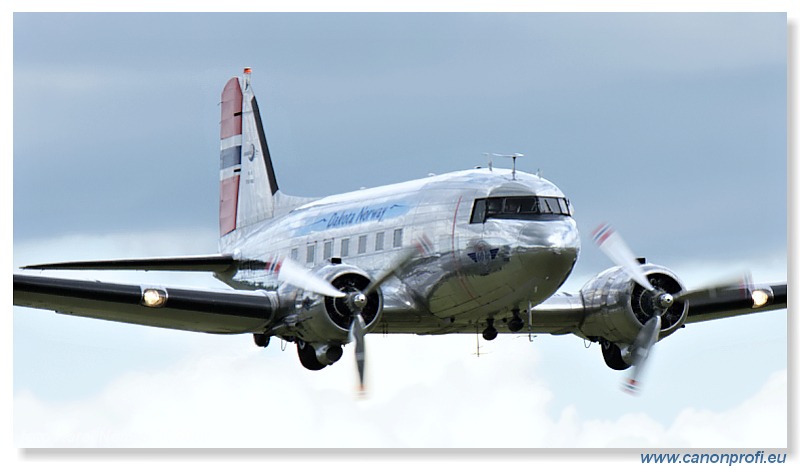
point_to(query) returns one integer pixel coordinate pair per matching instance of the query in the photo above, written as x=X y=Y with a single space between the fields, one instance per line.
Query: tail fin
x=247 y=179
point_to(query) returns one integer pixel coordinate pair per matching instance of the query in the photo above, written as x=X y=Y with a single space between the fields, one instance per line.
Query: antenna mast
x=513 y=158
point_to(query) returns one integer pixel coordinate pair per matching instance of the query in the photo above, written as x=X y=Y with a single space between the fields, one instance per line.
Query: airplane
x=479 y=250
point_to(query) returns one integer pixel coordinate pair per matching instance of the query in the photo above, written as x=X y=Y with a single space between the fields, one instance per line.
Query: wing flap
x=209 y=311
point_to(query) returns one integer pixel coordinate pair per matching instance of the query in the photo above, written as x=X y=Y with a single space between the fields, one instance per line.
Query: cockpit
x=520 y=208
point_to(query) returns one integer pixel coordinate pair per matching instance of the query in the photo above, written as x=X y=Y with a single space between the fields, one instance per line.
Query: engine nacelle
x=318 y=319
x=617 y=307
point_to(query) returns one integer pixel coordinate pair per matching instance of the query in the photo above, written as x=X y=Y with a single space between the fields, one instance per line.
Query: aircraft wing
x=563 y=313
x=207 y=310
x=733 y=302
x=206 y=263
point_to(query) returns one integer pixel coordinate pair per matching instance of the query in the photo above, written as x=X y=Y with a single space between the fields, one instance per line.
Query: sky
x=672 y=127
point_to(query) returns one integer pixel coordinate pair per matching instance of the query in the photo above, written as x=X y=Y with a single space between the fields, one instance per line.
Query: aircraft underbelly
x=499 y=285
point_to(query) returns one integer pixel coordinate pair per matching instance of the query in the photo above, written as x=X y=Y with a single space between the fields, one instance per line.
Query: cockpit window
x=517 y=207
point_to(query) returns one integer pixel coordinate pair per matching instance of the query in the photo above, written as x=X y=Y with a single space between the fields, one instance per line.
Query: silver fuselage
x=470 y=271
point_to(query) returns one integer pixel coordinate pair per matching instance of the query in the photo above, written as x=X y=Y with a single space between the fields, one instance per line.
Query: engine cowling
x=617 y=307
x=319 y=319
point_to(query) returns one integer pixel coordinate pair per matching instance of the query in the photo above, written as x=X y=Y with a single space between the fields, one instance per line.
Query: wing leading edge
x=209 y=311
x=207 y=263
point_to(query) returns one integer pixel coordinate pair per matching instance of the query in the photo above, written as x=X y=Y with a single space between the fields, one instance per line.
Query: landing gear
x=261 y=340
x=308 y=356
x=490 y=332
x=516 y=323
x=316 y=357
x=613 y=355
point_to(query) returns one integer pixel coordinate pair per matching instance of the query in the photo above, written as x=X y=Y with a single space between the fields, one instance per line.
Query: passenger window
x=362 y=244
x=310 y=253
x=398 y=238
x=379 y=241
x=345 y=247
x=295 y=254
x=327 y=250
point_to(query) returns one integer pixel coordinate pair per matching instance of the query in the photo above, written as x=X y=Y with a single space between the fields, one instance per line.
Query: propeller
x=613 y=246
x=357 y=301
x=357 y=332
x=292 y=273
x=640 y=350
x=742 y=282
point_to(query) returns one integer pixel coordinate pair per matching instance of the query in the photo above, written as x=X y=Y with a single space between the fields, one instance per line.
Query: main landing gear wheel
x=490 y=332
x=516 y=323
x=308 y=357
x=261 y=340
x=613 y=355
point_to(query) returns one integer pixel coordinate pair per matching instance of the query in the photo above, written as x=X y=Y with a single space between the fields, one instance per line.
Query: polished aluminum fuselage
x=467 y=273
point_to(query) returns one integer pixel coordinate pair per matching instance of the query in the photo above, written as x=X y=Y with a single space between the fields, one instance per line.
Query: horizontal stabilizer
x=209 y=263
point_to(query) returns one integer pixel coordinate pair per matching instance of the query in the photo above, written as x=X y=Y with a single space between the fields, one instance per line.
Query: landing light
x=760 y=298
x=154 y=298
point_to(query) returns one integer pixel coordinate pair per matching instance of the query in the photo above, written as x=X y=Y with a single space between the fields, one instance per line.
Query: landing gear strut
x=490 y=332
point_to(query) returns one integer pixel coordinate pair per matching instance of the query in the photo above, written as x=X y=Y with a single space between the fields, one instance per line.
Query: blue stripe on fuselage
x=351 y=216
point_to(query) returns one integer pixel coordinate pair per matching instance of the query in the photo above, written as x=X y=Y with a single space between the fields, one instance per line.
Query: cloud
x=765 y=412
x=240 y=398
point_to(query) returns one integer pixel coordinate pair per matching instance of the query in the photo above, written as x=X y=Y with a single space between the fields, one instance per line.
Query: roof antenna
x=489 y=159
x=513 y=158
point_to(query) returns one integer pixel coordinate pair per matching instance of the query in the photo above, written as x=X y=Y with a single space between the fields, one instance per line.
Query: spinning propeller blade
x=610 y=243
x=640 y=351
x=398 y=266
x=742 y=282
x=290 y=272
x=358 y=300
x=357 y=333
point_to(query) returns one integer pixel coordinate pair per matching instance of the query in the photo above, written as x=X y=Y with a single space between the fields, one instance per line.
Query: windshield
x=519 y=207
